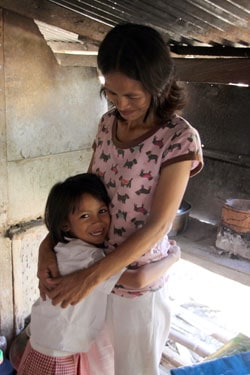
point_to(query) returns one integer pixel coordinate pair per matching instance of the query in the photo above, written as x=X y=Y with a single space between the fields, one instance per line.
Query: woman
x=145 y=153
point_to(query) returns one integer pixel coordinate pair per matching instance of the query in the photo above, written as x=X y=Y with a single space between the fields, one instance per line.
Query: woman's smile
x=129 y=96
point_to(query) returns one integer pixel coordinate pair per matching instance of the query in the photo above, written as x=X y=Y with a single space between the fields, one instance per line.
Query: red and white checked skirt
x=35 y=363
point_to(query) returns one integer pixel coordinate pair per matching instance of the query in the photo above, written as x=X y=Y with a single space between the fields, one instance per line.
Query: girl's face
x=90 y=221
x=128 y=95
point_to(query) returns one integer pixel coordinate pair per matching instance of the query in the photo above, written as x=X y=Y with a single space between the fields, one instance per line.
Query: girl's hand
x=174 y=251
x=149 y=273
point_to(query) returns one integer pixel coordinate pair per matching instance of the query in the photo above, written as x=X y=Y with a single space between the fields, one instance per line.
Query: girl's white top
x=57 y=331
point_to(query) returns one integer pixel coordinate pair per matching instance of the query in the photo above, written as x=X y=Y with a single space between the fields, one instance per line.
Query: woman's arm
x=149 y=273
x=166 y=201
x=47 y=265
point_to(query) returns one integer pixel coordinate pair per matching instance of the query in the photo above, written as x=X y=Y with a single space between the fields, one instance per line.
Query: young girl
x=78 y=219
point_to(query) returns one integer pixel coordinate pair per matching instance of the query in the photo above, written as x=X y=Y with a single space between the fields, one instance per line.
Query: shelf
x=198 y=246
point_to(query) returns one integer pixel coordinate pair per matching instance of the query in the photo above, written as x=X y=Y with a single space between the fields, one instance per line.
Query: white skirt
x=138 y=328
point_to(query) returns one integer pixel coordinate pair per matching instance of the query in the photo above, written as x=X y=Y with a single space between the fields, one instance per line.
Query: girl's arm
x=167 y=198
x=149 y=273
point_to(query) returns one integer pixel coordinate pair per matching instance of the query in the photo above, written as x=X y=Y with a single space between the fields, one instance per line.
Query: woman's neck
x=130 y=130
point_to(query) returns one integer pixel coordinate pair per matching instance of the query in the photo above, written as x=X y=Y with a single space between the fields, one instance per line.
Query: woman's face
x=128 y=95
x=90 y=220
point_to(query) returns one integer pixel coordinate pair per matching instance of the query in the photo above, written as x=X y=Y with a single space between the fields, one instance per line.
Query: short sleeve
x=184 y=145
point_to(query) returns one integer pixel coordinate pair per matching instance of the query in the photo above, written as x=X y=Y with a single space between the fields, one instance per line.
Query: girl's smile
x=90 y=221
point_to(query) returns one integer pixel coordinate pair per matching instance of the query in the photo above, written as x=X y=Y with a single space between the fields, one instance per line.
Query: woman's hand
x=47 y=266
x=72 y=288
x=69 y=289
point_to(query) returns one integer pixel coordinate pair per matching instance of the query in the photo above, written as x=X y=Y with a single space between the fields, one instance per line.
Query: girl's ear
x=65 y=227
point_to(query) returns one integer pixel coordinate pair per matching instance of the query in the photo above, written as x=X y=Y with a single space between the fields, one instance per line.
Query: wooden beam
x=76 y=60
x=55 y=15
x=228 y=157
x=217 y=51
x=72 y=48
x=190 y=70
x=225 y=70
x=172 y=358
x=194 y=344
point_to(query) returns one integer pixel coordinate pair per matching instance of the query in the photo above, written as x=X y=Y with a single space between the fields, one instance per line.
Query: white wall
x=49 y=116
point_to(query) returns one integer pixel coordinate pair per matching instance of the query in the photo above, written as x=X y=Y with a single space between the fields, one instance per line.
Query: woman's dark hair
x=64 y=198
x=139 y=52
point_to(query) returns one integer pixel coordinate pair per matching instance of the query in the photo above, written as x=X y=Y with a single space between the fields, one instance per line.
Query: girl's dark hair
x=139 y=52
x=64 y=198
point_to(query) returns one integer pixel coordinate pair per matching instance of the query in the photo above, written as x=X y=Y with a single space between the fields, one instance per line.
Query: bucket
x=234 y=231
x=235 y=215
x=181 y=219
x=18 y=346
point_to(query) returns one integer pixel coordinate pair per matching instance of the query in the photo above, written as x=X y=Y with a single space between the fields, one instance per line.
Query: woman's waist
x=157 y=252
x=123 y=291
x=147 y=258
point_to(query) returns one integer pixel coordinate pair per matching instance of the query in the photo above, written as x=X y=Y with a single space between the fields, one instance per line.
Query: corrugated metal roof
x=217 y=23
x=56 y=34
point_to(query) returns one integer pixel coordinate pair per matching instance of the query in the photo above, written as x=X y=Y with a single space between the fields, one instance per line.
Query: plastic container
x=6 y=368
x=3 y=347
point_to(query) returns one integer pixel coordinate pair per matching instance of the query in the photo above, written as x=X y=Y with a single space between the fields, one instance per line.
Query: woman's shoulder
x=109 y=115
x=178 y=125
x=106 y=121
x=177 y=121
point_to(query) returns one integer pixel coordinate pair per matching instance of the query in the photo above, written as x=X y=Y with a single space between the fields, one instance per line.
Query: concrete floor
x=212 y=297
x=198 y=246
x=218 y=298
x=212 y=285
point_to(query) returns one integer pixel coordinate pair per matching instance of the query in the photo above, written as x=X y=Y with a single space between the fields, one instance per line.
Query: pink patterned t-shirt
x=131 y=170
